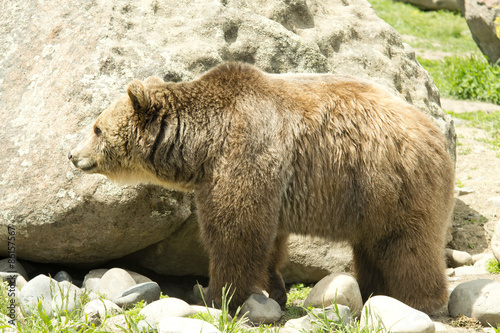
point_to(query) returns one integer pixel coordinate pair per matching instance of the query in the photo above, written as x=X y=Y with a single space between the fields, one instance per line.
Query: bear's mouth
x=88 y=168
x=86 y=165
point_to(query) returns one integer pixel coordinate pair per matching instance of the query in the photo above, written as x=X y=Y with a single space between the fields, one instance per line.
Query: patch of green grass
x=76 y=322
x=40 y=321
x=490 y=122
x=470 y=78
x=465 y=151
x=298 y=292
x=492 y=266
x=434 y=30
x=224 y=322
x=133 y=313
x=4 y=297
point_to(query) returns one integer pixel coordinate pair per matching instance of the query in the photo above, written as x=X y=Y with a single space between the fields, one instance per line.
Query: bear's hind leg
x=368 y=274
x=404 y=269
x=276 y=288
x=415 y=273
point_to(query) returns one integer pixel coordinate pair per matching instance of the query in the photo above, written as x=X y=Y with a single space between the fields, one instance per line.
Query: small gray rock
x=139 y=278
x=20 y=282
x=464 y=191
x=185 y=325
x=390 y=315
x=261 y=309
x=481 y=256
x=9 y=277
x=470 y=270
x=55 y=297
x=458 y=258
x=289 y=329
x=97 y=309
x=63 y=276
x=477 y=299
x=495 y=201
x=338 y=287
x=37 y=289
x=13 y=278
x=114 y=282
x=66 y=298
x=115 y=324
x=216 y=313
x=147 y=291
x=147 y=326
x=9 y=266
x=166 y=307
x=93 y=278
x=481 y=263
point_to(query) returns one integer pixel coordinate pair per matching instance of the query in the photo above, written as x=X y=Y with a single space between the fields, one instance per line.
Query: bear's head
x=115 y=145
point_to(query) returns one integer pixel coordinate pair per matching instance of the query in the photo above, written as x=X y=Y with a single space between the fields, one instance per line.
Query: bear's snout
x=85 y=164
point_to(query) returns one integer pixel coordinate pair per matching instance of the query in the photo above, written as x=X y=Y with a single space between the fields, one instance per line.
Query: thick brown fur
x=268 y=155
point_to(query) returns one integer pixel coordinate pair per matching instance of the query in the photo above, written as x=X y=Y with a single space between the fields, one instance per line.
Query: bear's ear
x=138 y=94
x=153 y=80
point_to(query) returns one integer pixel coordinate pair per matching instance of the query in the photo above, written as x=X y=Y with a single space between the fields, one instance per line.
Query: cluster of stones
x=336 y=298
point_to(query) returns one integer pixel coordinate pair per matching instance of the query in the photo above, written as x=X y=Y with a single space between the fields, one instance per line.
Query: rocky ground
x=477 y=179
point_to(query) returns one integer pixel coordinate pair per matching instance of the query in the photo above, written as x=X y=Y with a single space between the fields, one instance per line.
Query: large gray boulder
x=434 y=4
x=63 y=62
x=483 y=19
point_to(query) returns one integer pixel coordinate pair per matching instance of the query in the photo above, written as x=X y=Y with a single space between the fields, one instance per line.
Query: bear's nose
x=70 y=156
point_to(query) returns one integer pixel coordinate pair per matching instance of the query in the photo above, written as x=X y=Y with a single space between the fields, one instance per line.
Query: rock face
x=63 y=62
x=495 y=242
x=434 y=4
x=483 y=19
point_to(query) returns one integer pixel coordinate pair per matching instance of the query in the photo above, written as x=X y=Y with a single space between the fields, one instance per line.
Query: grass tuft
x=488 y=121
x=492 y=266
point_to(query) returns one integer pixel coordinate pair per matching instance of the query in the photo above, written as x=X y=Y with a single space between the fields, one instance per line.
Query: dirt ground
x=477 y=179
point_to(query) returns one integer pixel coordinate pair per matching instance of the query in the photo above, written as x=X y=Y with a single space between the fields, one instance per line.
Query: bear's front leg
x=239 y=225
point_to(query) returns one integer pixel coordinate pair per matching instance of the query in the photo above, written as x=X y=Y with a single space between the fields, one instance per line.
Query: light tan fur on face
x=267 y=155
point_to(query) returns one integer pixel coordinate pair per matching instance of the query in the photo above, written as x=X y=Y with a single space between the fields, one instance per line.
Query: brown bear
x=268 y=155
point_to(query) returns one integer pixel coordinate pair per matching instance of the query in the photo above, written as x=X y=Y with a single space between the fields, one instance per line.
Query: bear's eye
x=97 y=131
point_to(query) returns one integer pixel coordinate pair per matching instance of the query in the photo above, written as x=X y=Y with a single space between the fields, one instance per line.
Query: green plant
x=465 y=77
x=492 y=266
x=4 y=297
x=40 y=321
x=497 y=329
x=224 y=322
x=133 y=313
x=298 y=293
